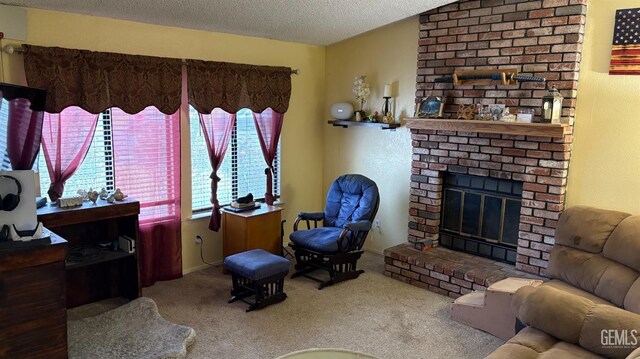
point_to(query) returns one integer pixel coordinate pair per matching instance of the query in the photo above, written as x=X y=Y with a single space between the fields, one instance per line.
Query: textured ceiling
x=317 y=22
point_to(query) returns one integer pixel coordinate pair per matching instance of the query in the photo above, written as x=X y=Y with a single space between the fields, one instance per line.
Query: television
x=21 y=113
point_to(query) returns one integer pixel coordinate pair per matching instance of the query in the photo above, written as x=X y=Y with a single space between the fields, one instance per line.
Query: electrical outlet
x=377 y=225
x=198 y=240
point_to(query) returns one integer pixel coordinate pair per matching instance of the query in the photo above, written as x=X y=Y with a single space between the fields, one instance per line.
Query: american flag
x=625 y=53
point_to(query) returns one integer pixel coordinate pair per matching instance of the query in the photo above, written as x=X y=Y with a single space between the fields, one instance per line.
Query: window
x=96 y=171
x=242 y=169
x=5 y=164
x=139 y=153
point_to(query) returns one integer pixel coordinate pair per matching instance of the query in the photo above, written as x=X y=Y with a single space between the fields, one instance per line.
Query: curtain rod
x=10 y=49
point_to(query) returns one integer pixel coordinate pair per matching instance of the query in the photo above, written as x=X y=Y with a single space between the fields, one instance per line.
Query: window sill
x=200 y=215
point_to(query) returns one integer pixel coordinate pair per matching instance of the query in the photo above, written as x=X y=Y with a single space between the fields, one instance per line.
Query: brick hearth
x=540 y=38
x=444 y=271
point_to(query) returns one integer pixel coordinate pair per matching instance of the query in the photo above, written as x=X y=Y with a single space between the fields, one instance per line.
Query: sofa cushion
x=623 y=246
x=603 y=317
x=632 y=300
x=531 y=343
x=565 y=350
x=591 y=272
x=558 y=284
x=587 y=228
x=576 y=320
x=635 y=354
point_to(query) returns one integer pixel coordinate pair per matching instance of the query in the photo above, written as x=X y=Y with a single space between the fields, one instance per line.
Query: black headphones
x=10 y=201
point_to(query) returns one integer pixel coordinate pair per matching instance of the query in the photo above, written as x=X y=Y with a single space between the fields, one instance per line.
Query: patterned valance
x=96 y=81
x=232 y=87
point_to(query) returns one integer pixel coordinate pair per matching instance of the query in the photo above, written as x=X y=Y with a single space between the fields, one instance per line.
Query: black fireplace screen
x=481 y=215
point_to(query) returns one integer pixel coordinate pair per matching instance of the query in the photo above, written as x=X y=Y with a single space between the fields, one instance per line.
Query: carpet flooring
x=373 y=314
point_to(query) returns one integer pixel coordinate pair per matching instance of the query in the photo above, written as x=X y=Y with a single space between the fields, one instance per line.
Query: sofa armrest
x=578 y=320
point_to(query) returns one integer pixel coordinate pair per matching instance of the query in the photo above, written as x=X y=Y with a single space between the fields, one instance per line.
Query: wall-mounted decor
x=625 y=53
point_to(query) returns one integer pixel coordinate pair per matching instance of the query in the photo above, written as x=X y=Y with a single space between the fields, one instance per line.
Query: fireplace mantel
x=507 y=128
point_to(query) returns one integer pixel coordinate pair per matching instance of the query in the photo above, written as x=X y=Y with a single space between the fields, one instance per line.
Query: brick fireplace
x=539 y=38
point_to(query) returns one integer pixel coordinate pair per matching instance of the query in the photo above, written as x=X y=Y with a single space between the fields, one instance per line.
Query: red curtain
x=147 y=168
x=217 y=127
x=66 y=137
x=269 y=126
x=23 y=133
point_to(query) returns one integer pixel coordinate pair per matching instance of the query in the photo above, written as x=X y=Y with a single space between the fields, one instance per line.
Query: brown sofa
x=593 y=294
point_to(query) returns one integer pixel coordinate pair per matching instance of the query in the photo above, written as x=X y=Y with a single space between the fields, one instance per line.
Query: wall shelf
x=507 y=128
x=382 y=126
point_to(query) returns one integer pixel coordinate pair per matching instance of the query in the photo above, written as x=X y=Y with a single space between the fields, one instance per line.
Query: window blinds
x=147 y=161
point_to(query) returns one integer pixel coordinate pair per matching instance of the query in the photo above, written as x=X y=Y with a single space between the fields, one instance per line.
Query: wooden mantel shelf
x=507 y=128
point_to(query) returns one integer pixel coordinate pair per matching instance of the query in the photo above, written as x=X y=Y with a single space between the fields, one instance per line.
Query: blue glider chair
x=352 y=203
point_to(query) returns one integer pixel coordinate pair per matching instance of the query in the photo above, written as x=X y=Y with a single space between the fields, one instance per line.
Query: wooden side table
x=258 y=228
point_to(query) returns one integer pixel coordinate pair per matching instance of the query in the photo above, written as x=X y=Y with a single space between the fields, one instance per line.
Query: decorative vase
x=360 y=115
x=342 y=111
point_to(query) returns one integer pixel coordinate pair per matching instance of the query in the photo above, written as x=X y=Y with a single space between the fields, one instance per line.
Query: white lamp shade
x=387 y=91
x=342 y=111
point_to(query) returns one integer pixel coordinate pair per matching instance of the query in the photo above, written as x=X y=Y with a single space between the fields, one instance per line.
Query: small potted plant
x=361 y=90
x=373 y=117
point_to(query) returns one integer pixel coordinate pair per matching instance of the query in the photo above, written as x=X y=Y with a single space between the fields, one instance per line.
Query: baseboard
x=201 y=267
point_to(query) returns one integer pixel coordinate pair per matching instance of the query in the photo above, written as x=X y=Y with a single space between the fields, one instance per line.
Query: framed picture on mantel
x=430 y=107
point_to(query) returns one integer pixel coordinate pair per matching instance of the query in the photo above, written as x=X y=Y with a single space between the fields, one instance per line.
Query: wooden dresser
x=33 y=311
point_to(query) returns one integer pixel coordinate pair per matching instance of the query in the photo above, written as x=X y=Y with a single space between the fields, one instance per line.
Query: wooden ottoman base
x=265 y=291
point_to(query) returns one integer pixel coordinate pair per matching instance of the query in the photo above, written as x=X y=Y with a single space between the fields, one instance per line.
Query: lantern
x=552 y=106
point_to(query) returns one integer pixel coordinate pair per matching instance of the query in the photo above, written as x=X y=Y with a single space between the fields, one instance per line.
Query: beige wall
x=605 y=168
x=386 y=55
x=301 y=144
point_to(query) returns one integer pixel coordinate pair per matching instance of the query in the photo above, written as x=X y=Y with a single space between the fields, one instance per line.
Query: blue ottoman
x=257 y=273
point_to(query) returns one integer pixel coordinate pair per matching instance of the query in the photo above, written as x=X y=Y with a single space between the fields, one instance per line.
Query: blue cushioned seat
x=323 y=239
x=257 y=264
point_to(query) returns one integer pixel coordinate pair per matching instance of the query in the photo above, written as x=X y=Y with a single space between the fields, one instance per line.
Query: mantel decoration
x=552 y=106
x=431 y=106
x=361 y=90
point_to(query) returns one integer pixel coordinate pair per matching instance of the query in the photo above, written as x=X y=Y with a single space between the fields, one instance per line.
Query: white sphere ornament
x=342 y=111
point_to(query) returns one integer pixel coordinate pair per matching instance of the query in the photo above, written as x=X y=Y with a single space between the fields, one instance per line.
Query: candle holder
x=386 y=107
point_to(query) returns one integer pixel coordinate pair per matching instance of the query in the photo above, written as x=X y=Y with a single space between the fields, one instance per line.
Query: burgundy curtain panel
x=216 y=127
x=147 y=167
x=66 y=137
x=24 y=131
x=269 y=126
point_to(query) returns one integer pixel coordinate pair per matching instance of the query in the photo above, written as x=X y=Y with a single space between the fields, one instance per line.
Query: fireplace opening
x=481 y=216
